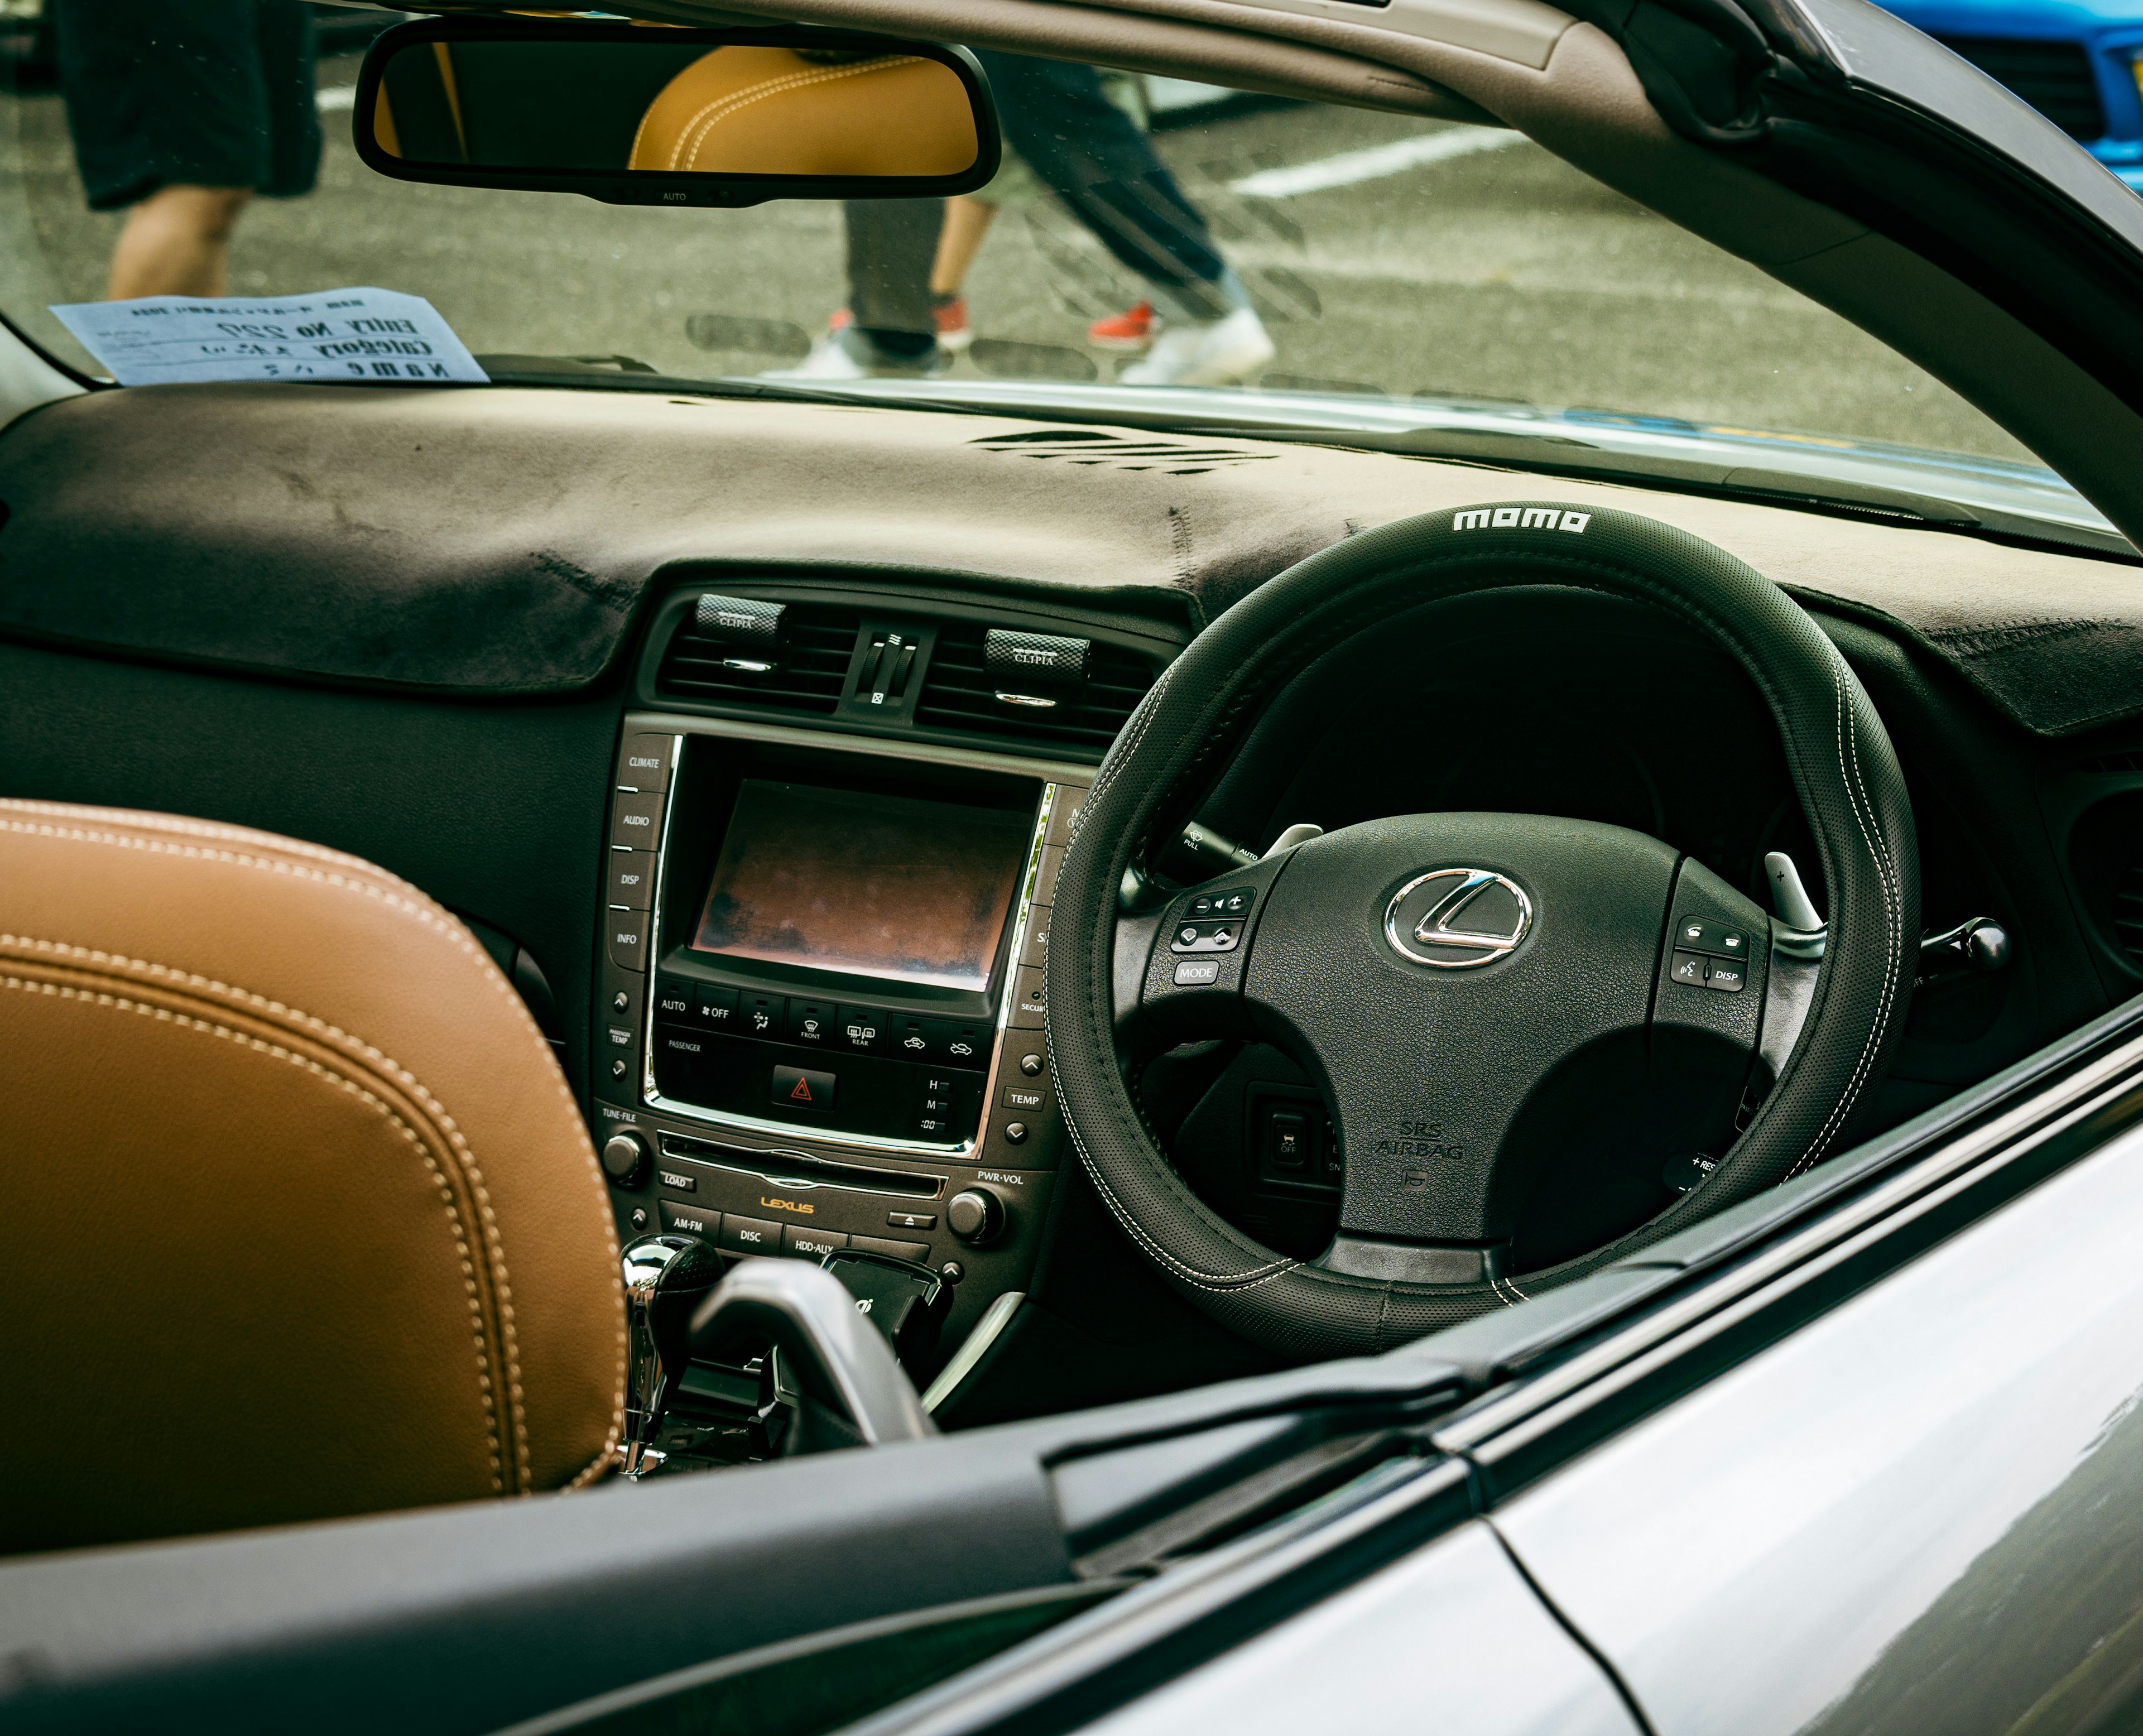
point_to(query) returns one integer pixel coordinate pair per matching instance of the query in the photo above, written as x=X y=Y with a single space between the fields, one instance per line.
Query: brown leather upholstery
x=771 y=112
x=297 y=1216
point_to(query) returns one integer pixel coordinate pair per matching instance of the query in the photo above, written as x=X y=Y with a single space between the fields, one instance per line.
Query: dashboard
x=769 y=847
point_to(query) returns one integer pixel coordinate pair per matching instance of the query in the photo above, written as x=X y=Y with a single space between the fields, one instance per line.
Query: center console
x=819 y=1013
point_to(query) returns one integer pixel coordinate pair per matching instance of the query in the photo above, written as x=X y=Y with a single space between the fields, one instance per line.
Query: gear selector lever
x=665 y=1278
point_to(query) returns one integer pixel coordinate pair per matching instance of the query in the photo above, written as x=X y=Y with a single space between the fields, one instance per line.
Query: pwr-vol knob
x=976 y=1216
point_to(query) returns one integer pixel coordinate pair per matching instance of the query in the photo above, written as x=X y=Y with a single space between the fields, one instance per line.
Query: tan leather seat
x=771 y=112
x=299 y=1217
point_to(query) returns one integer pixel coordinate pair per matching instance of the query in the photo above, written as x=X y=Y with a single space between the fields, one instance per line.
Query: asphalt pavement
x=1386 y=254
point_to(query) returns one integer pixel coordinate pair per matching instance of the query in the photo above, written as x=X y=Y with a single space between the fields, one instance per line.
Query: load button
x=802 y=1088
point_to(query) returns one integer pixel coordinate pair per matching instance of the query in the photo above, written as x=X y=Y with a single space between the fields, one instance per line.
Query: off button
x=802 y=1088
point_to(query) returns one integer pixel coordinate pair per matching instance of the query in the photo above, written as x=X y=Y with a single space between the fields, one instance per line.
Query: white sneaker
x=1203 y=353
x=846 y=354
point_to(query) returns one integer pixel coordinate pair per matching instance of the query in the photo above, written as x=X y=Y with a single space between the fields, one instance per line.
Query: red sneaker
x=1132 y=330
x=951 y=313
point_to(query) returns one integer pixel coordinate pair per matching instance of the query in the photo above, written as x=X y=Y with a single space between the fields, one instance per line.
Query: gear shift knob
x=666 y=1278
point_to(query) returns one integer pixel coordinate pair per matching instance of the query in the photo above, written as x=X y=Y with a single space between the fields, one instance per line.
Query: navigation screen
x=882 y=886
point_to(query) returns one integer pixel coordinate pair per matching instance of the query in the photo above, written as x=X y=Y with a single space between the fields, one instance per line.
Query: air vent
x=816 y=645
x=2054 y=77
x=2104 y=763
x=960 y=693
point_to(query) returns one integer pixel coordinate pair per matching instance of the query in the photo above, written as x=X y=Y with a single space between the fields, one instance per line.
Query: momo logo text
x=1520 y=518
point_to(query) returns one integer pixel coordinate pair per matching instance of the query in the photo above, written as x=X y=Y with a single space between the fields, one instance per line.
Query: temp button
x=802 y=1088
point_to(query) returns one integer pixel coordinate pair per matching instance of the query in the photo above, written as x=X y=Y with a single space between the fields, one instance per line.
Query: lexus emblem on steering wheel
x=1456 y=919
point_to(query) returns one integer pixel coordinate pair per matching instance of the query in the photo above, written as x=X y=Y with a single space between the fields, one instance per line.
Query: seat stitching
x=458 y=935
x=202 y=828
x=167 y=1015
x=472 y=1171
x=429 y=915
x=712 y=115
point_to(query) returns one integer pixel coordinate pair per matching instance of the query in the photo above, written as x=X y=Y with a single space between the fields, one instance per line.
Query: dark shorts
x=207 y=93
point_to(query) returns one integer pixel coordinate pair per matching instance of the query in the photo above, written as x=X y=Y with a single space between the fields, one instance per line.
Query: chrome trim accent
x=1300 y=832
x=1026 y=699
x=680 y=723
x=1434 y=928
x=1050 y=774
x=995 y=1319
x=737 y=1164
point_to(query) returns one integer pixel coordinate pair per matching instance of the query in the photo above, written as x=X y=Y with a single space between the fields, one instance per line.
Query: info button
x=800 y=1088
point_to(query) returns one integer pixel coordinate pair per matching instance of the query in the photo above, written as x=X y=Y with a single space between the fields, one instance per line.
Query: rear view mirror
x=652 y=115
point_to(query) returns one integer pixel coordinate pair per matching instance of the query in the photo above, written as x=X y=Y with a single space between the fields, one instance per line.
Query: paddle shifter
x=666 y=1278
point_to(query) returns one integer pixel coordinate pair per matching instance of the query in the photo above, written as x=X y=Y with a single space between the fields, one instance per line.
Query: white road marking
x=1378 y=161
x=335 y=99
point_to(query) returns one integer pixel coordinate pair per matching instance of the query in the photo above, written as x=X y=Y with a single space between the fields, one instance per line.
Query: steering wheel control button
x=1229 y=901
x=745 y=1235
x=1197 y=973
x=1223 y=936
x=1729 y=976
x=1458 y=919
x=624 y=1157
x=635 y=821
x=1715 y=939
x=689 y=1220
x=808 y=1244
x=800 y=1089
x=628 y=939
x=1687 y=968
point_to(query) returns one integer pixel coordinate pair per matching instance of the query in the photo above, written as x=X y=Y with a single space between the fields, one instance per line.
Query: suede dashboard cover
x=501 y=540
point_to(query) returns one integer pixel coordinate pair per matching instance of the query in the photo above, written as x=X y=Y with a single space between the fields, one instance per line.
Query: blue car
x=2079 y=62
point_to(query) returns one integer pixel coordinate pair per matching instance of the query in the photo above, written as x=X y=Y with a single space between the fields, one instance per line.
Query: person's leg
x=891 y=244
x=1095 y=159
x=176 y=242
x=967 y=219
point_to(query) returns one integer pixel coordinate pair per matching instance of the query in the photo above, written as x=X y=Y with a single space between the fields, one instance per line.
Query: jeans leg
x=1091 y=155
x=891 y=243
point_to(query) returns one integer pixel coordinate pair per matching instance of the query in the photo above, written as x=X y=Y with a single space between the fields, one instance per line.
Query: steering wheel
x=1439 y=973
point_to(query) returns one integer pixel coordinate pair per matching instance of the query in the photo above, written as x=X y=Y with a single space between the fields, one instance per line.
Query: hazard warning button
x=800 y=1088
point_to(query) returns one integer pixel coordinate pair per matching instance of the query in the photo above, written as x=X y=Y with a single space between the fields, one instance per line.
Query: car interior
x=527 y=911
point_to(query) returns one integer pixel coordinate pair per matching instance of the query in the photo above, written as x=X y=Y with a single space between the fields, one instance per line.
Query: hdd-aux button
x=801 y=1088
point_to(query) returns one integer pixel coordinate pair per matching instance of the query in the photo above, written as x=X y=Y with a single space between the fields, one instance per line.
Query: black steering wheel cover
x=1844 y=769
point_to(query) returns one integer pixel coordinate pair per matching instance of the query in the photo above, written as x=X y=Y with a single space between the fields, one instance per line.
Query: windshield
x=1160 y=250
